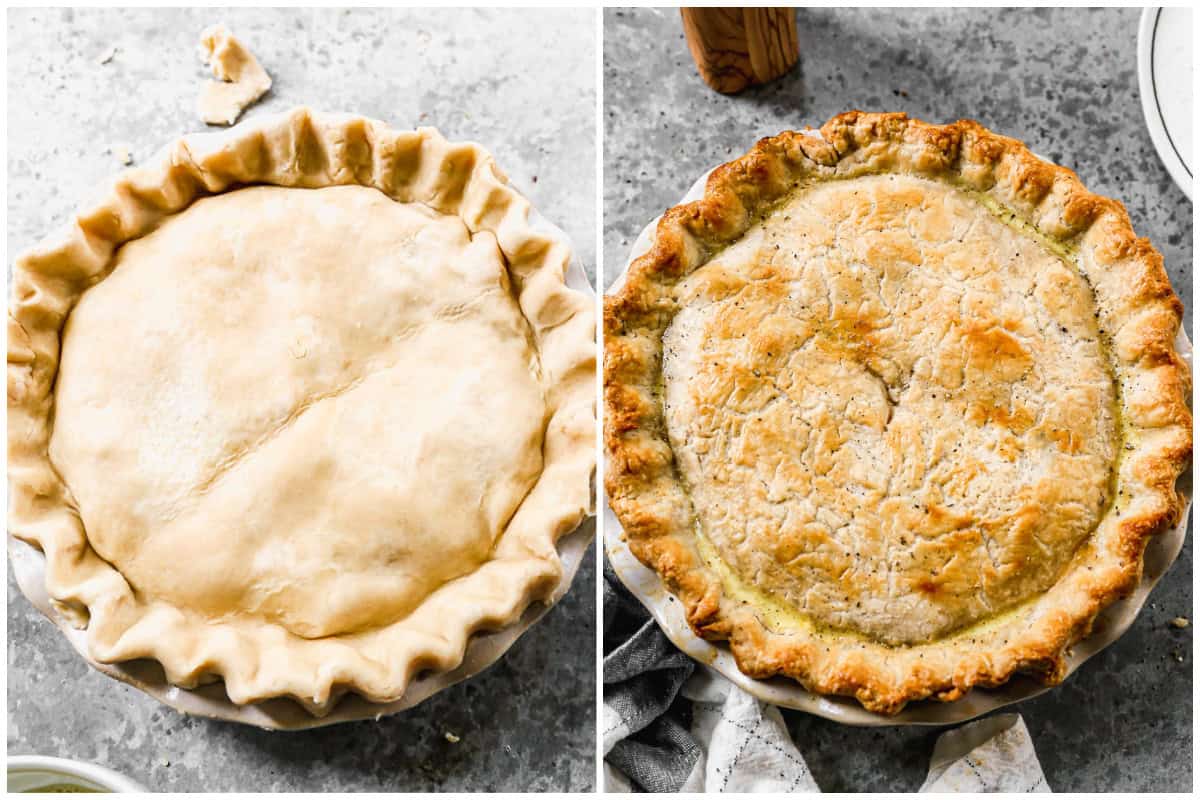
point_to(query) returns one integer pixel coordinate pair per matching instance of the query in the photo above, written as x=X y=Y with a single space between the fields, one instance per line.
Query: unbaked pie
x=895 y=408
x=300 y=407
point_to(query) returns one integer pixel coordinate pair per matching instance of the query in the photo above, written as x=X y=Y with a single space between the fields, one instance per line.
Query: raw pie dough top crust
x=256 y=374
x=257 y=455
x=892 y=410
x=895 y=410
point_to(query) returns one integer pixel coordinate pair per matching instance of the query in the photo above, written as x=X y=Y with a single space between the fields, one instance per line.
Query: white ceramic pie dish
x=484 y=649
x=1165 y=85
x=646 y=585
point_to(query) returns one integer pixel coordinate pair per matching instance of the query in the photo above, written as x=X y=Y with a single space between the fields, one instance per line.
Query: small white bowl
x=34 y=773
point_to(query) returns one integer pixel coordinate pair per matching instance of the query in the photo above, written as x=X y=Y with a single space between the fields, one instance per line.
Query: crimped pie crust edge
x=302 y=149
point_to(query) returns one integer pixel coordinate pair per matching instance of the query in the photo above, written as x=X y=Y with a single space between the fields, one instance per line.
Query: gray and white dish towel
x=672 y=725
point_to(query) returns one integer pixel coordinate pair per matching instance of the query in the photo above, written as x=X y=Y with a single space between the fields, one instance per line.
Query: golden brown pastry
x=895 y=409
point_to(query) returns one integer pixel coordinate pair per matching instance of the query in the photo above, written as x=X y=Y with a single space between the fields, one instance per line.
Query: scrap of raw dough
x=123 y=155
x=242 y=78
x=108 y=55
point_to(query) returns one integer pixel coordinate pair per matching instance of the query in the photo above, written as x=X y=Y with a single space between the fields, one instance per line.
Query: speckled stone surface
x=520 y=83
x=1065 y=82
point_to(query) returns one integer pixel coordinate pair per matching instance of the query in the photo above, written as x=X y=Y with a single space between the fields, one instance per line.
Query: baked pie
x=300 y=407
x=895 y=408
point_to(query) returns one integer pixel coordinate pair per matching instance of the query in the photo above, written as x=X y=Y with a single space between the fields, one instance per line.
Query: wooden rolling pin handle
x=738 y=47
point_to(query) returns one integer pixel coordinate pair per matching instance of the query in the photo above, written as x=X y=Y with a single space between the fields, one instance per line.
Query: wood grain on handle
x=738 y=47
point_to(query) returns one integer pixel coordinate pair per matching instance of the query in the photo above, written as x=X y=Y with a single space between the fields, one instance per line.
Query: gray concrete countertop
x=521 y=84
x=1065 y=82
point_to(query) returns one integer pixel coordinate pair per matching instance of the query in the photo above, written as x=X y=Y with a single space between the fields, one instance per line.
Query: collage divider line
x=598 y=787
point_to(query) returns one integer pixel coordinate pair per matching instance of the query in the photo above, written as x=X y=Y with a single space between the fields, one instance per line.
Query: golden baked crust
x=895 y=409
x=239 y=424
